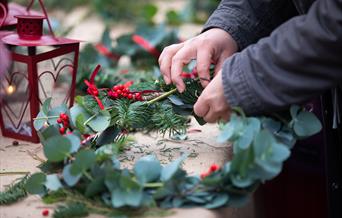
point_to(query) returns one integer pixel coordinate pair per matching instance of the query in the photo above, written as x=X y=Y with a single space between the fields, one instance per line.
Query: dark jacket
x=289 y=51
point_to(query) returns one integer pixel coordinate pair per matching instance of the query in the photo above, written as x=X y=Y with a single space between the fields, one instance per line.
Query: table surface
x=200 y=143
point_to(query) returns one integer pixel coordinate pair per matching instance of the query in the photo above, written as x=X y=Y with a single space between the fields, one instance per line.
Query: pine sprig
x=72 y=210
x=14 y=192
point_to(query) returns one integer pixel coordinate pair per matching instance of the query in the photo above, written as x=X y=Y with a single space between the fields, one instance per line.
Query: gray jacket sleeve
x=300 y=59
x=249 y=20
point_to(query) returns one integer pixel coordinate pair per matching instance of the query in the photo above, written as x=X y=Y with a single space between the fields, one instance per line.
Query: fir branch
x=72 y=210
x=14 y=192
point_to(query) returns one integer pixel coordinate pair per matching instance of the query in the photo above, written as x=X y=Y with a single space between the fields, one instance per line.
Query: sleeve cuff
x=237 y=90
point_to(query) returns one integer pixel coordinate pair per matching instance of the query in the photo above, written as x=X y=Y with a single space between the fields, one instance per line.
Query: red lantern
x=43 y=66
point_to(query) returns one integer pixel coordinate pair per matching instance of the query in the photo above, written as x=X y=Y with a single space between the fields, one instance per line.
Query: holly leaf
x=36 y=184
x=57 y=148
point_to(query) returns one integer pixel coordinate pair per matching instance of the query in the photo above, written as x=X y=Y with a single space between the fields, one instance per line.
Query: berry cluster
x=64 y=120
x=213 y=168
x=120 y=91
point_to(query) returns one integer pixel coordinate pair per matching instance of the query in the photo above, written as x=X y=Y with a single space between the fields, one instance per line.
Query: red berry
x=115 y=95
x=119 y=92
x=116 y=88
x=214 y=167
x=62 y=130
x=64 y=116
x=45 y=212
x=59 y=120
x=130 y=96
x=124 y=94
x=125 y=90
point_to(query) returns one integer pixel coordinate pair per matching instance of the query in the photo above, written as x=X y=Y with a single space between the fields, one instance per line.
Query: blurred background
x=125 y=36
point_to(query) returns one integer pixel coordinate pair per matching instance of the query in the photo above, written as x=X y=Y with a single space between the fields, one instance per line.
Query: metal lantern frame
x=29 y=36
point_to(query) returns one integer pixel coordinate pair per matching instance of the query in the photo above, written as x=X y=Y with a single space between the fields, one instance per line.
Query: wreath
x=81 y=145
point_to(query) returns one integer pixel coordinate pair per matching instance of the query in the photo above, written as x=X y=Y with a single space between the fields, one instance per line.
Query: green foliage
x=14 y=192
x=261 y=145
x=72 y=210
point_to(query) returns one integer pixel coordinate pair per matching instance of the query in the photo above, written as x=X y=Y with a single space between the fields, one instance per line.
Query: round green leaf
x=39 y=123
x=69 y=178
x=52 y=182
x=100 y=122
x=75 y=142
x=57 y=148
x=307 y=124
x=35 y=184
x=83 y=161
x=147 y=169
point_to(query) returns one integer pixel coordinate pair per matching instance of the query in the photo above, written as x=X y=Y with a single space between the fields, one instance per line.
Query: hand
x=212 y=104
x=5 y=59
x=210 y=47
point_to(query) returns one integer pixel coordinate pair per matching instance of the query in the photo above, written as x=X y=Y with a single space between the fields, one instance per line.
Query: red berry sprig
x=122 y=91
x=213 y=168
x=64 y=121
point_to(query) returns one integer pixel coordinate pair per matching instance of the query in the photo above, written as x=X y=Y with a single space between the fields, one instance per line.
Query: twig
x=35 y=156
x=14 y=173
x=166 y=94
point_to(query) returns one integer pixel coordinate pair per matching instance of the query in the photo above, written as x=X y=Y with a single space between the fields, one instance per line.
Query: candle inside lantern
x=10 y=89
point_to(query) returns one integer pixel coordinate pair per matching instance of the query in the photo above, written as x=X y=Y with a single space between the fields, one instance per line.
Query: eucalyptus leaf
x=75 y=142
x=40 y=121
x=46 y=105
x=55 y=112
x=306 y=124
x=57 y=148
x=35 y=184
x=52 y=182
x=100 y=122
x=69 y=178
x=147 y=169
x=170 y=170
x=219 y=201
x=83 y=161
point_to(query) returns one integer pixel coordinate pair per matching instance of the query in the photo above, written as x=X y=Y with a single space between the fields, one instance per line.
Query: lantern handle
x=41 y=3
x=3 y=19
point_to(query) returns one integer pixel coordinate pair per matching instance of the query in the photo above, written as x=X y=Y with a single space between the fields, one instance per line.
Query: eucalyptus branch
x=45 y=118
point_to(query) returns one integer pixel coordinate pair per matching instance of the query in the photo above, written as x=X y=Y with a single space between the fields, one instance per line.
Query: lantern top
x=30 y=33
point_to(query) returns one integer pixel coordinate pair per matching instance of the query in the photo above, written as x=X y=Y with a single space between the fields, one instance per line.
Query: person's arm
x=300 y=59
x=249 y=20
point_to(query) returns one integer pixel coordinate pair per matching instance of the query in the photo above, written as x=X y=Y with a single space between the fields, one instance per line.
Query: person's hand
x=212 y=104
x=4 y=59
x=210 y=47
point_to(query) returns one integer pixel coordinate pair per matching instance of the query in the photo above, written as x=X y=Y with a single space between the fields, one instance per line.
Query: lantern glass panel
x=15 y=97
x=55 y=79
